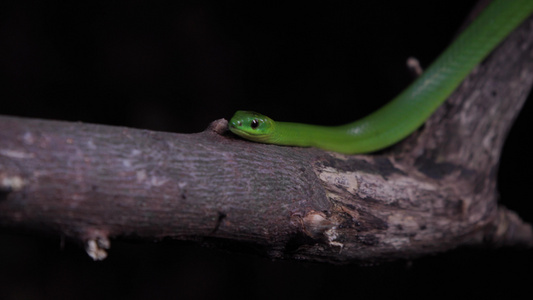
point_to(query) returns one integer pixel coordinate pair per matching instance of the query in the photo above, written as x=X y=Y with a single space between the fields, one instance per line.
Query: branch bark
x=433 y=192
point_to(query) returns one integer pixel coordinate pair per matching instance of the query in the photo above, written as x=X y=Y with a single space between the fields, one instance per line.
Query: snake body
x=410 y=109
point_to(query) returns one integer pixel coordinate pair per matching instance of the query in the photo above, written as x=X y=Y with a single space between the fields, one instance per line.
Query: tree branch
x=433 y=192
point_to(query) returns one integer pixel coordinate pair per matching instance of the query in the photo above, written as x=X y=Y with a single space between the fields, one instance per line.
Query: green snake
x=410 y=109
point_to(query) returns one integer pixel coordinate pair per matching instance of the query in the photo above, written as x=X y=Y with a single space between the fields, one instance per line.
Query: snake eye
x=254 y=124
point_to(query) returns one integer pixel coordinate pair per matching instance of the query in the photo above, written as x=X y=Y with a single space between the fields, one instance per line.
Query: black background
x=178 y=65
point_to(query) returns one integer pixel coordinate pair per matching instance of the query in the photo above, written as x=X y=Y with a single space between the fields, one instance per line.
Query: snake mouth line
x=244 y=134
x=259 y=137
x=235 y=127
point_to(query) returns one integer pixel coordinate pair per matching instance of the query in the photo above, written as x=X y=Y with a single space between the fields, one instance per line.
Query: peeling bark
x=433 y=192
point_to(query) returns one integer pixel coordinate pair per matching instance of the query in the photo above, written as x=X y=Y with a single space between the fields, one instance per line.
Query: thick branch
x=434 y=192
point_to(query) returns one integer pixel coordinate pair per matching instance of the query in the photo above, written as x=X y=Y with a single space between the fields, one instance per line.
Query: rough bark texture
x=433 y=192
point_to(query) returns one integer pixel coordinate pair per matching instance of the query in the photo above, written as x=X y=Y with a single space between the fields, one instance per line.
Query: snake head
x=251 y=125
